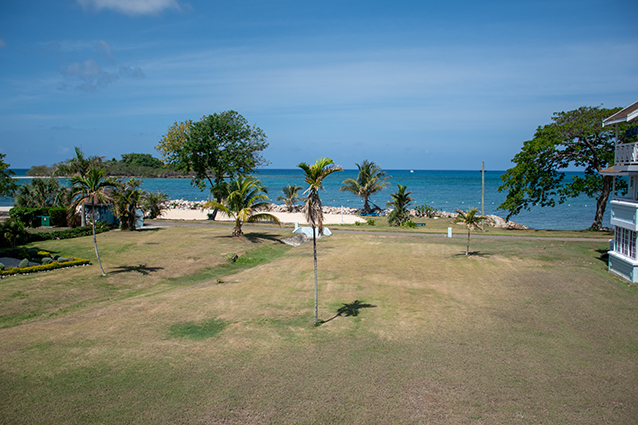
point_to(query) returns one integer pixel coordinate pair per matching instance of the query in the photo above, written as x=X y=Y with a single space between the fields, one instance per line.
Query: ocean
x=443 y=189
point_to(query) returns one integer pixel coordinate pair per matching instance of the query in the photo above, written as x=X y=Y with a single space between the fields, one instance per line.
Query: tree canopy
x=573 y=139
x=7 y=183
x=370 y=180
x=218 y=147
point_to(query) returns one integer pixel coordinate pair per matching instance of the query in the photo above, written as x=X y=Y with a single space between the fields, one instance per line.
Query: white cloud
x=131 y=7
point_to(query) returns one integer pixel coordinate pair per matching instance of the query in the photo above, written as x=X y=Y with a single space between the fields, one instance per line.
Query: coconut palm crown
x=369 y=181
x=245 y=202
x=472 y=220
x=315 y=174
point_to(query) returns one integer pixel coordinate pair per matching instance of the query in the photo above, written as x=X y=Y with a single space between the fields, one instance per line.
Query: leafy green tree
x=40 y=193
x=173 y=141
x=573 y=138
x=245 y=202
x=369 y=181
x=91 y=188
x=472 y=219
x=219 y=147
x=290 y=195
x=79 y=165
x=8 y=184
x=400 y=203
x=315 y=174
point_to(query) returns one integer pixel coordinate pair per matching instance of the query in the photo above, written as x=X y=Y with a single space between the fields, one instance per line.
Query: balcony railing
x=627 y=154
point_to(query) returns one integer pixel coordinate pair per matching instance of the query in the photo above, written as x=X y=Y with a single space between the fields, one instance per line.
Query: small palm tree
x=41 y=192
x=472 y=220
x=400 y=202
x=126 y=200
x=291 y=195
x=315 y=174
x=245 y=201
x=154 y=203
x=369 y=181
x=91 y=188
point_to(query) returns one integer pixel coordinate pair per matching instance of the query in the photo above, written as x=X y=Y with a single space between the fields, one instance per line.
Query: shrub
x=24 y=263
x=58 y=216
x=370 y=221
x=425 y=210
x=47 y=260
x=44 y=267
x=409 y=224
x=1 y=266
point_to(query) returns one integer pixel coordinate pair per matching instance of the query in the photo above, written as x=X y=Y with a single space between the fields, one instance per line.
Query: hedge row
x=43 y=268
x=101 y=227
x=29 y=216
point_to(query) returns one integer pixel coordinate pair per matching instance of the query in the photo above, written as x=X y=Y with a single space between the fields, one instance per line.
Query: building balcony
x=627 y=154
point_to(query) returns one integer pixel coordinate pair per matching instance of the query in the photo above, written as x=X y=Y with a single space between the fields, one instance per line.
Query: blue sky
x=407 y=84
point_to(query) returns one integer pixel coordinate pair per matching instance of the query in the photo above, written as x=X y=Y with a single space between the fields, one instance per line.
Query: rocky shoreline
x=492 y=220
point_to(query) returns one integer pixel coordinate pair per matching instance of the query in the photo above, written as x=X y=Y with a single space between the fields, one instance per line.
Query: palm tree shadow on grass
x=351 y=309
x=142 y=269
x=604 y=256
x=474 y=254
x=256 y=237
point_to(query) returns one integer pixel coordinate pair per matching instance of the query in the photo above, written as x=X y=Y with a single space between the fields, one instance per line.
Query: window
x=625 y=242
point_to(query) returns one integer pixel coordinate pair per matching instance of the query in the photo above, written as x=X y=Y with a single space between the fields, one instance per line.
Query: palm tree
x=79 y=166
x=92 y=188
x=472 y=220
x=246 y=198
x=369 y=181
x=126 y=200
x=40 y=192
x=154 y=203
x=291 y=194
x=315 y=174
x=400 y=202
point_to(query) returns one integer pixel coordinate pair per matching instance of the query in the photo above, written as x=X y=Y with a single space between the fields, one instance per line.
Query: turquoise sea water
x=442 y=189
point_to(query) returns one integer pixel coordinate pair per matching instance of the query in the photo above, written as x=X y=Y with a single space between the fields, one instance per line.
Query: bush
x=1 y=266
x=58 y=216
x=425 y=211
x=24 y=263
x=47 y=260
x=409 y=224
x=69 y=233
x=370 y=221
x=44 y=267
x=12 y=233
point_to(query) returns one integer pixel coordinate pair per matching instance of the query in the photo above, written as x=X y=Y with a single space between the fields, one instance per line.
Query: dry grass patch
x=523 y=332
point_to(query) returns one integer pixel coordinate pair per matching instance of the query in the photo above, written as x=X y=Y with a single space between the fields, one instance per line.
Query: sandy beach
x=284 y=217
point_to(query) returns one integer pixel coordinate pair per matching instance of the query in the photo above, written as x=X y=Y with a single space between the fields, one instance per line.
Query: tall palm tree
x=245 y=201
x=472 y=220
x=92 y=188
x=369 y=181
x=400 y=202
x=315 y=174
x=80 y=165
x=291 y=194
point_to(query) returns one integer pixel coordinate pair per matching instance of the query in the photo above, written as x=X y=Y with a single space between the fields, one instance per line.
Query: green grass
x=522 y=331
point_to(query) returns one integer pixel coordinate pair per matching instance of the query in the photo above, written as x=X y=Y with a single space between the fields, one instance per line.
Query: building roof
x=627 y=114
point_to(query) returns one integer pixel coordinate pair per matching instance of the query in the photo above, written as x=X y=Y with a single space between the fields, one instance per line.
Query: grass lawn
x=523 y=331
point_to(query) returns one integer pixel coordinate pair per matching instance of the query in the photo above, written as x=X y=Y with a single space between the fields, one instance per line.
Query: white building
x=623 y=260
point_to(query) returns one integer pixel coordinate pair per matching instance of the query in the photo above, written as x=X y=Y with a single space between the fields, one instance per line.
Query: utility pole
x=483 y=191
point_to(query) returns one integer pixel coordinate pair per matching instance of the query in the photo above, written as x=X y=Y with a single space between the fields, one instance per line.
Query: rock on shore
x=492 y=220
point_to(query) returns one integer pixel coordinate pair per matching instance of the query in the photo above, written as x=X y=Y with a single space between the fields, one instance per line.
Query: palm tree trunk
x=467 y=249
x=314 y=249
x=95 y=239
